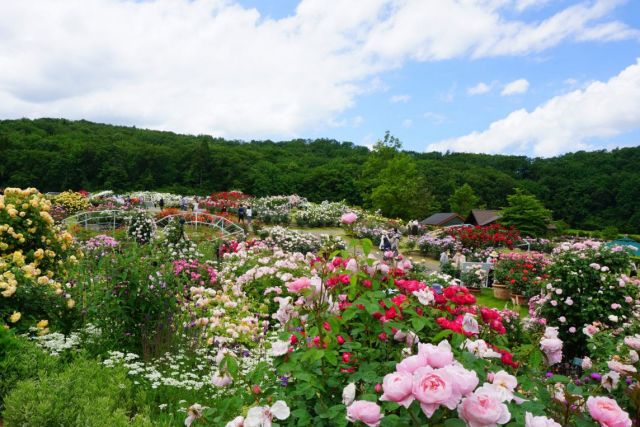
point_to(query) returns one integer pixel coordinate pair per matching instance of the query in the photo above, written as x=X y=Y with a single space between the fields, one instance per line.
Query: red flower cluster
x=410 y=286
x=478 y=237
x=493 y=318
x=226 y=199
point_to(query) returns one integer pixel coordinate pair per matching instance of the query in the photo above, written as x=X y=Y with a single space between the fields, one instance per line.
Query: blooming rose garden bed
x=295 y=329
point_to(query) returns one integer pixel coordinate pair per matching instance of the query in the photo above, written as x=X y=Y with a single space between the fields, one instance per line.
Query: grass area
x=487 y=299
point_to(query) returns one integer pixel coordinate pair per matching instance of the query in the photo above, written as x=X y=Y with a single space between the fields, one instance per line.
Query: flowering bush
x=474 y=237
x=226 y=200
x=100 y=245
x=34 y=257
x=433 y=246
x=72 y=202
x=325 y=214
x=586 y=285
x=276 y=209
x=522 y=272
x=142 y=228
x=295 y=241
x=474 y=277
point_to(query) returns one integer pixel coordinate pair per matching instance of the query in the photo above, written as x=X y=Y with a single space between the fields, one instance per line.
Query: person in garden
x=249 y=214
x=458 y=259
x=195 y=203
x=634 y=269
x=385 y=243
x=444 y=258
x=241 y=212
x=492 y=259
x=161 y=203
x=395 y=241
x=183 y=204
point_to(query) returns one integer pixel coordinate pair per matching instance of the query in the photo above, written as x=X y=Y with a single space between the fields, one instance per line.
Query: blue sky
x=349 y=70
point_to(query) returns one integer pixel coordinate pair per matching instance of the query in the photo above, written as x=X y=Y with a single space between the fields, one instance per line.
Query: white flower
x=278 y=348
x=562 y=319
x=221 y=380
x=424 y=296
x=236 y=422
x=610 y=380
x=613 y=318
x=349 y=394
x=540 y=421
x=470 y=324
x=261 y=416
x=586 y=363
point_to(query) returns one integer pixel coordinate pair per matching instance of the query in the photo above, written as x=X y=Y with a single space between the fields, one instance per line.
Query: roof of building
x=441 y=218
x=484 y=217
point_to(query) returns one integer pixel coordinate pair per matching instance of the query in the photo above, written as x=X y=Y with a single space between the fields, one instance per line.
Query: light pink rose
x=552 y=348
x=397 y=388
x=540 y=421
x=464 y=380
x=434 y=388
x=412 y=363
x=365 y=411
x=437 y=356
x=221 y=380
x=470 y=324
x=348 y=218
x=352 y=265
x=621 y=368
x=483 y=409
x=298 y=285
x=633 y=341
x=607 y=412
x=586 y=363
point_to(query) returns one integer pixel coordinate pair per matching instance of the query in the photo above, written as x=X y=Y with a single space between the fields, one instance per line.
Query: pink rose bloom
x=221 y=380
x=412 y=363
x=437 y=356
x=365 y=411
x=483 y=409
x=607 y=412
x=470 y=324
x=397 y=388
x=531 y=421
x=434 y=388
x=552 y=348
x=464 y=380
x=352 y=265
x=298 y=285
x=503 y=385
x=348 y=218
x=633 y=341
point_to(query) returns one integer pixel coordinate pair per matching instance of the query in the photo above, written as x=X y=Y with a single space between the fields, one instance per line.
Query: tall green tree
x=527 y=214
x=463 y=200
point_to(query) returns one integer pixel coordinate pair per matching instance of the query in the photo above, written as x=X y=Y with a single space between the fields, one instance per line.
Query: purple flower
x=596 y=376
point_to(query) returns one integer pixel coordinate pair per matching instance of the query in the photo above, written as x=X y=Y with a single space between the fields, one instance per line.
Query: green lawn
x=487 y=299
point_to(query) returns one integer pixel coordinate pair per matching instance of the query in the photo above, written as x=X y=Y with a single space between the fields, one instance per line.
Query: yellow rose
x=43 y=280
x=71 y=303
x=7 y=293
x=15 y=317
x=42 y=324
x=38 y=254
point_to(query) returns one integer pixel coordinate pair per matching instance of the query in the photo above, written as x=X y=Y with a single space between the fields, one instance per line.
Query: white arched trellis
x=100 y=220
x=229 y=229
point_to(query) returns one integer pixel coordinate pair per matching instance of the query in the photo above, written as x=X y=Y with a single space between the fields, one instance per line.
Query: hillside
x=585 y=189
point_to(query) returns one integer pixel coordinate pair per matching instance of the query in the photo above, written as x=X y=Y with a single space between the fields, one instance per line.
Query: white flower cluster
x=295 y=241
x=325 y=214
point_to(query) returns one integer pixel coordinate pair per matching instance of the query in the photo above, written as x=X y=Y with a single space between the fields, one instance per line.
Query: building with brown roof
x=483 y=217
x=443 y=219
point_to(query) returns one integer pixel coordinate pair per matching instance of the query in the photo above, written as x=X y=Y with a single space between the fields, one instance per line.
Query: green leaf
x=454 y=422
x=441 y=335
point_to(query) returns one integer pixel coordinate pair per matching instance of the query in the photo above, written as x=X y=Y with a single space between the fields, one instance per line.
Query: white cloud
x=564 y=123
x=516 y=87
x=479 y=89
x=400 y=98
x=526 y=4
x=435 y=118
x=407 y=123
x=213 y=66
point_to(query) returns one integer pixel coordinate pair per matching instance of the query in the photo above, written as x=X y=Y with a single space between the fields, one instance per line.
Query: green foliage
x=85 y=393
x=589 y=190
x=463 y=200
x=20 y=360
x=527 y=214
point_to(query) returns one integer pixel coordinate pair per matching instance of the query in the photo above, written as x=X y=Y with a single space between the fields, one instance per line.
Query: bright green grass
x=487 y=299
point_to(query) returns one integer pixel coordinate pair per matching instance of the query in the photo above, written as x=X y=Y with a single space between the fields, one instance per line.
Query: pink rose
x=365 y=411
x=437 y=356
x=397 y=388
x=483 y=409
x=607 y=412
x=531 y=421
x=412 y=363
x=434 y=388
x=352 y=265
x=298 y=285
x=633 y=341
x=552 y=348
x=464 y=380
x=348 y=218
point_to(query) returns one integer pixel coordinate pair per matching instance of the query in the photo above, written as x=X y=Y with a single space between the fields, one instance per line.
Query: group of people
x=390 y=241
x=459 y=259
x=245 y=213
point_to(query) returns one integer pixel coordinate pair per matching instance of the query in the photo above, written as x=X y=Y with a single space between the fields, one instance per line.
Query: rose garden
x=182 y=315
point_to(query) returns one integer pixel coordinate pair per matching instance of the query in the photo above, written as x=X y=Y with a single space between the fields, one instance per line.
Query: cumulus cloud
x=516 y=87
x=479 y=89
x=214 y=66
x=564 y=123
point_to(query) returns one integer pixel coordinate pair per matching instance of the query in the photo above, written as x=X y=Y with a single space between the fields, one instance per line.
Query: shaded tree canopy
x=588 y=190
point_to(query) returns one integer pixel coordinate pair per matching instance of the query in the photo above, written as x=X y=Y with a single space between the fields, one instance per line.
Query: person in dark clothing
x=161 y=203
x=241 y=212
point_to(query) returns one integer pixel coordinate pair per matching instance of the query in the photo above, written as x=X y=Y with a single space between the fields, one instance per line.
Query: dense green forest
x=588 y=190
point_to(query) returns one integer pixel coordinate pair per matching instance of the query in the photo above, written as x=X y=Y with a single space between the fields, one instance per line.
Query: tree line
x=587 y=190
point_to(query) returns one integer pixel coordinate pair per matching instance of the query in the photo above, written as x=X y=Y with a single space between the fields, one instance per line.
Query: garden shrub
x=142 y=228
x=84 y=394
x=20 y=360
x=34 y=256
x=72 y=202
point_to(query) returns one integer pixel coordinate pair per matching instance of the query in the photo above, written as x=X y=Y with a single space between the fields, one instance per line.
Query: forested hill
x=585 y=189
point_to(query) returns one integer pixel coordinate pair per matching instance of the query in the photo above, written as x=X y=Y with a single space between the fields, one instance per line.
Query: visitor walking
x=249 y=215
x=385 y=243
x=183 y=203
x=492 y=259
x=444 y=258
x=241 y=212
x=195 y=203
x=395 y=241
x=634 y=269
x=161 y=203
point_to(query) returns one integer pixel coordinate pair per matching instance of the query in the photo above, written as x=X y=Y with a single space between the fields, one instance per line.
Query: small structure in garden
x=483 y=217
x=628 y=243
x=444 y=219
